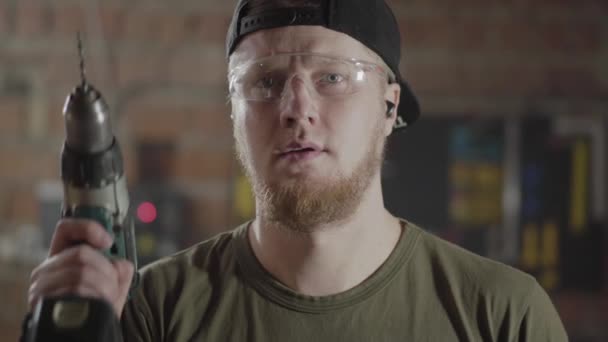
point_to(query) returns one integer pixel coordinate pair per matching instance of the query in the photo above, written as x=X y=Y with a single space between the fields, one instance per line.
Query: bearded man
x=315 y=90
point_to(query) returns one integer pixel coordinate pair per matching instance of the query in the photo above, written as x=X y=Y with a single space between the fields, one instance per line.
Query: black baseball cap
x=371 y=22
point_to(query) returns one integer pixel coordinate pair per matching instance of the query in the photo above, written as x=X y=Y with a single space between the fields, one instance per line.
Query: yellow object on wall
x=244 y=204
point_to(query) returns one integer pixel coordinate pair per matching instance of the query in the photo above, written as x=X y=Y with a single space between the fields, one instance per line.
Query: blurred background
x=509 y=159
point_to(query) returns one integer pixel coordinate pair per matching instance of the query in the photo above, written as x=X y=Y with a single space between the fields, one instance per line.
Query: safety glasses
x=266 y=79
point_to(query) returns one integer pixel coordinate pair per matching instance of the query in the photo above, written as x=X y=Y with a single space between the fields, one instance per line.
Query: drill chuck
x=91 y=158
x=87 y=121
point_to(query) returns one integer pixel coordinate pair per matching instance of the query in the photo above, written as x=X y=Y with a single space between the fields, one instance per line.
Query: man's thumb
x=125 y=276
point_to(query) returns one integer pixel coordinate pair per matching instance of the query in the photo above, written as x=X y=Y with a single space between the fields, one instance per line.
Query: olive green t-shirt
x=427 y=290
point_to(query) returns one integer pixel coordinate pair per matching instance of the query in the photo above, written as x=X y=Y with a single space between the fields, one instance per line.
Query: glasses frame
x=362 y=64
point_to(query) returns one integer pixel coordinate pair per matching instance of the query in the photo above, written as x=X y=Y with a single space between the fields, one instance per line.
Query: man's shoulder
x=214 y=253
x=482 y=295
x=177 y=288
x=467 y=272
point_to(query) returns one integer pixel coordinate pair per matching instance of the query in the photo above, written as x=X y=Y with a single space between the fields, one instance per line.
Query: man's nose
x=299 y=103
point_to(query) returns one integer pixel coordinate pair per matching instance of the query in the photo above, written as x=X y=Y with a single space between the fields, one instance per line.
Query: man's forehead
x=315 y=39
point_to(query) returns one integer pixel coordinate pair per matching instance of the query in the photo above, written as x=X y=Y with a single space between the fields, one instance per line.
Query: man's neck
x=330 y=259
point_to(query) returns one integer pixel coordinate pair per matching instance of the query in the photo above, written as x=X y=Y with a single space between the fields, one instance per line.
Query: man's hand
x=75 y=266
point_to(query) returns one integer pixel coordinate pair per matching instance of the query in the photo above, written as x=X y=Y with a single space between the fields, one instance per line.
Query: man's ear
x=391 y=98
x=390 y=109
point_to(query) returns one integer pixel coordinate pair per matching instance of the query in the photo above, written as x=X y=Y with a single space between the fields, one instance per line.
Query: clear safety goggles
x=265 y=79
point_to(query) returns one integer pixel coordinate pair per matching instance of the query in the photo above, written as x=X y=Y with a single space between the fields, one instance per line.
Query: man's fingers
x=76 y=267
x=71 y=231
x=77 y=256
x=74 y=281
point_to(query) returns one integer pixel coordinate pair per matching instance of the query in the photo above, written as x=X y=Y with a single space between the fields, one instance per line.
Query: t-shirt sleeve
x=540 y=321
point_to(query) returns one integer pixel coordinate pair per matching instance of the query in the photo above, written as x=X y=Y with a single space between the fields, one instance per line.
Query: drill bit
x=81 y=56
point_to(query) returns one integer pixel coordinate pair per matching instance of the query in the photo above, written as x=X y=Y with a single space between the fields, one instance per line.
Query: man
x=315 y=90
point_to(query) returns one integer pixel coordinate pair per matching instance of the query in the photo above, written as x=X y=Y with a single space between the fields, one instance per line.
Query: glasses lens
x=265 y=79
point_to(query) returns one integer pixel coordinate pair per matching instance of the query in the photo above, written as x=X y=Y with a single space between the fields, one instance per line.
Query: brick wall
x=161 y=67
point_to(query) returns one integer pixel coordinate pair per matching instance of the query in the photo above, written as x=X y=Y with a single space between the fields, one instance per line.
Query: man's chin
x=303 y=204
x=298 y=173
x=307 y=180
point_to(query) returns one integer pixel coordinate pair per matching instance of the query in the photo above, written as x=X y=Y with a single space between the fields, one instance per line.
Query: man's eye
x=265 y=82
x=332 y=78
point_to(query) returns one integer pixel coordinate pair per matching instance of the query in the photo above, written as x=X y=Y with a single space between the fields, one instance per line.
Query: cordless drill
x=94 y=188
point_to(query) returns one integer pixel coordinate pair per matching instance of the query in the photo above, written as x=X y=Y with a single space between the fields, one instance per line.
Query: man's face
x=310 y=157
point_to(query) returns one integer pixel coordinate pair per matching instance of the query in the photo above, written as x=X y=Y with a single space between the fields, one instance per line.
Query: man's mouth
x=298 y=152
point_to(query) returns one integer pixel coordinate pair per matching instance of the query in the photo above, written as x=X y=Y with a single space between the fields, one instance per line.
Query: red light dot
x=146 y=212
